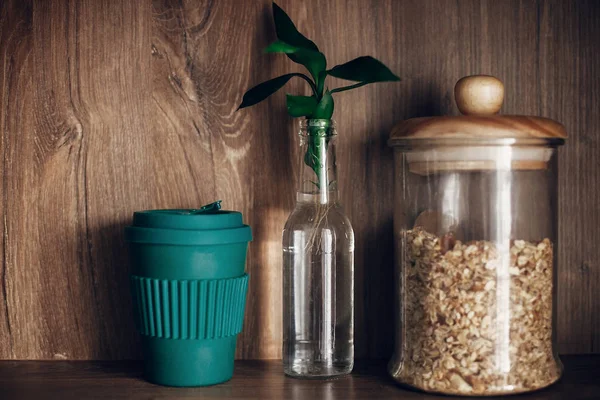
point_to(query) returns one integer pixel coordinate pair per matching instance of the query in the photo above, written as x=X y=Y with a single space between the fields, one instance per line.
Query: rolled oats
x=478 y=320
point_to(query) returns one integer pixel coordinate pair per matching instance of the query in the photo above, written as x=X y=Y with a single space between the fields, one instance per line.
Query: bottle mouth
x=317 y=123
x=317 y=127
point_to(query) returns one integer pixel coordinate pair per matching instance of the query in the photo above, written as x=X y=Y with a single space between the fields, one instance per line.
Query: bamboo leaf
x=313 y=61
x=363 y=69
x=300 y=106
x=263 y=90
x=287 y=32
x=324 y=109
x=279 y=46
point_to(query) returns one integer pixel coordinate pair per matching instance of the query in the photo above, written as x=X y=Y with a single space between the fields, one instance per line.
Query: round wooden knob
x=479 y=95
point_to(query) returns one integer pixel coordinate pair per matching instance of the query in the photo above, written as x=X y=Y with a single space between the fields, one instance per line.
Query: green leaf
x=363 y=69
x=287 y=32
x=263 y=90
x=280 y=46
x=324 y=109
x=300 y=106
x=314 y=61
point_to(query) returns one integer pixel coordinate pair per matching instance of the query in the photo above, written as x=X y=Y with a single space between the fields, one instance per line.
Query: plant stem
x=316 y=153
x=321 y=84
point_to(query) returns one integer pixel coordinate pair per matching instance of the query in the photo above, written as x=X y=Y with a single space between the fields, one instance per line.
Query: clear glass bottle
x=475 y=226
x=318 y=265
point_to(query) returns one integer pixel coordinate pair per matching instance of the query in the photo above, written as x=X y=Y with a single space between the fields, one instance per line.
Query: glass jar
x=475 y=231
x=318 y=265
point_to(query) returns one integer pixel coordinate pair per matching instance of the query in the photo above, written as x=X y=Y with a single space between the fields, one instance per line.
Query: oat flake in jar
x=475 y=231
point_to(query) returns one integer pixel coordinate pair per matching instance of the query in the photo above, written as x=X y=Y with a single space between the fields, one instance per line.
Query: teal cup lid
x=208 y=225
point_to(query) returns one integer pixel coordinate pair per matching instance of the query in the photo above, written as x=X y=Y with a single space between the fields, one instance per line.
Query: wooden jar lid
x=479 y=98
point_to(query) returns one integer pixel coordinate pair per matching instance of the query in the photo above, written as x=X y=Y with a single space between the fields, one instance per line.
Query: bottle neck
x=318 y=171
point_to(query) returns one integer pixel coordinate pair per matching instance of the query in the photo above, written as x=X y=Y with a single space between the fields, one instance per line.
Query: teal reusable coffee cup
x=189 y=292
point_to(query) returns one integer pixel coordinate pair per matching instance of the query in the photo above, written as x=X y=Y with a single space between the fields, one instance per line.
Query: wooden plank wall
x=113 y=106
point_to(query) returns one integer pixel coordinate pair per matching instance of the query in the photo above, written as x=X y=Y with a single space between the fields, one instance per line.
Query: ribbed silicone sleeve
x=189 y=309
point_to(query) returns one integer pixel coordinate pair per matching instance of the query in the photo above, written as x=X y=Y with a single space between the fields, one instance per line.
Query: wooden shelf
x=252 y=380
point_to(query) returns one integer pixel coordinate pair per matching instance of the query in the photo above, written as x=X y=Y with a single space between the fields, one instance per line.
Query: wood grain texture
x=569 y=91
x=109 y=107
x=251 y=380
x=15 y=31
